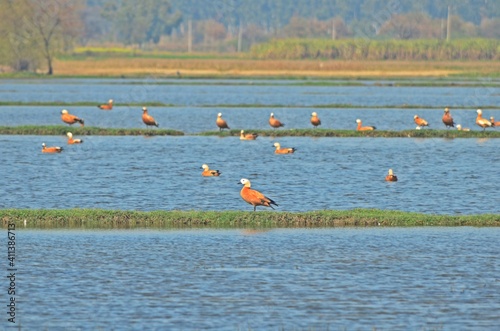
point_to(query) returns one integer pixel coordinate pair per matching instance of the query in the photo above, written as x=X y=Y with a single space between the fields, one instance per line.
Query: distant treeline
x=363 y=49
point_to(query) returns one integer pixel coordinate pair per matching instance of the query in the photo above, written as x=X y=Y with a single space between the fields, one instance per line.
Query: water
x=354 y=279
x=442 y=176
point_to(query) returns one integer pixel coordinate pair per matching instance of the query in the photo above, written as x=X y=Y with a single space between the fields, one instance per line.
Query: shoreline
x=117 y=219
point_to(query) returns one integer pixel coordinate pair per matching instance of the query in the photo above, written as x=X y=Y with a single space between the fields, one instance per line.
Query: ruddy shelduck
x=315 y=121
x=209 y=173
x=459 y=128
x=482 y=122
x=148 y=119
x=55 y=149
x=420 y=121
x=493 y=123
x=364 y=128
x=221 y=123
x=274 y=122
x=283 y=150
x=70 y=119
x=248 y=136
x=253 y=197
x=72 y=141
x=106 y=106
x=447 y=119
x=391 y=177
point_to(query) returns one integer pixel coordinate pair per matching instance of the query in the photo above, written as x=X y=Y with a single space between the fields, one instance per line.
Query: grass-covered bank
x=61 y=130
x=425 y=133
x=97 y=218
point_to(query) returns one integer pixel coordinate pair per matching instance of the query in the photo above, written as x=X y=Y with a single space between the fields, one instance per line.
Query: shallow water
x=355 y=279
x=444 y=176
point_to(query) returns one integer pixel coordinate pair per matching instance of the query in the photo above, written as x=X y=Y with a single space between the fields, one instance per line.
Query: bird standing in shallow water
x=72 y=141
x=148 y=119
x=315 y=121
x=253 y=197
x=482 y=122
x=209 y=173
x=364 y=128
x=273 y=122
x=70 y=119
x=55 y=149
x=106 y=106
x=447 y=119
x=221 y=123
x=391 y=177
x=420 y=121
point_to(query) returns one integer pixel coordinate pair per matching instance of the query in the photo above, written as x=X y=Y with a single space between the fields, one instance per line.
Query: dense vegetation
x=95 y=218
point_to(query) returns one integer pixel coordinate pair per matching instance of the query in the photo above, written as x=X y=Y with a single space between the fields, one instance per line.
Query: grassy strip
x=97 y=218
x=56 y=130
x=426 y=133
x=81 y=103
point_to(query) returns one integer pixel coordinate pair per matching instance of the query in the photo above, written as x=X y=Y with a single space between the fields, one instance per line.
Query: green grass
x=97 y=218
x=56 y=130
x=425 y=133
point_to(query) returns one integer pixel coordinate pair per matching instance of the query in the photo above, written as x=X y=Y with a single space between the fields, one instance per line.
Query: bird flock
x=249 y=195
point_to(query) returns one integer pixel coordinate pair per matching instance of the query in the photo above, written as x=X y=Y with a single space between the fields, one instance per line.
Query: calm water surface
x=443 y=176
x=354 y=279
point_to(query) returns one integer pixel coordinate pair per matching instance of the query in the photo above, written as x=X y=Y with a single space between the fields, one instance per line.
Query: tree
x=139 y=22
x=40 y=27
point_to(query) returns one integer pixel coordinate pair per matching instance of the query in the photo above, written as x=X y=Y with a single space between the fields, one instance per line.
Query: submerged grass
x=353 y=133
x=98 y=218
x=56 y=130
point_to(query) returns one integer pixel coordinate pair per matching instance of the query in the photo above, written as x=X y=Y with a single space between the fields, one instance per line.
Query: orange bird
x=72 y=141
x=274 y=122
x=420 y=121
x=221 y=123
x=55 y=149
x=493 y=123
x=459 y=128
x=248 y=136
x=70 y=119
x=253 y=197
x=482 y=122
x=283 y=150
x=209 y=173
x=364 y=128
x=148 y=119
x=106 y=106
x=315 y=119
x=447 y=119
x=391 y=177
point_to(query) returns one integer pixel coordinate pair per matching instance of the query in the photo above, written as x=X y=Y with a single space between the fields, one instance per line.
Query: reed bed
x=426 y=133
x=59 y=130
x=98 y=218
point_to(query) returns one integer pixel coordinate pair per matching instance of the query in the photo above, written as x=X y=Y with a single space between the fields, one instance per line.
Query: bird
x=209 y=173
x=148 y=119
x=72 y=141
x=283 y=150
x=106 y=106
x=315 y=121
x=493 y=123
x=420 y=121
x=364 y=128
x=221 y=123
x=248 y=136
x=71 y=119
x=253 y=197
x=55 y=149
x=391 y=177
x=482 y=122
x=459 y=128
x=447 y=119
x=274 y=122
